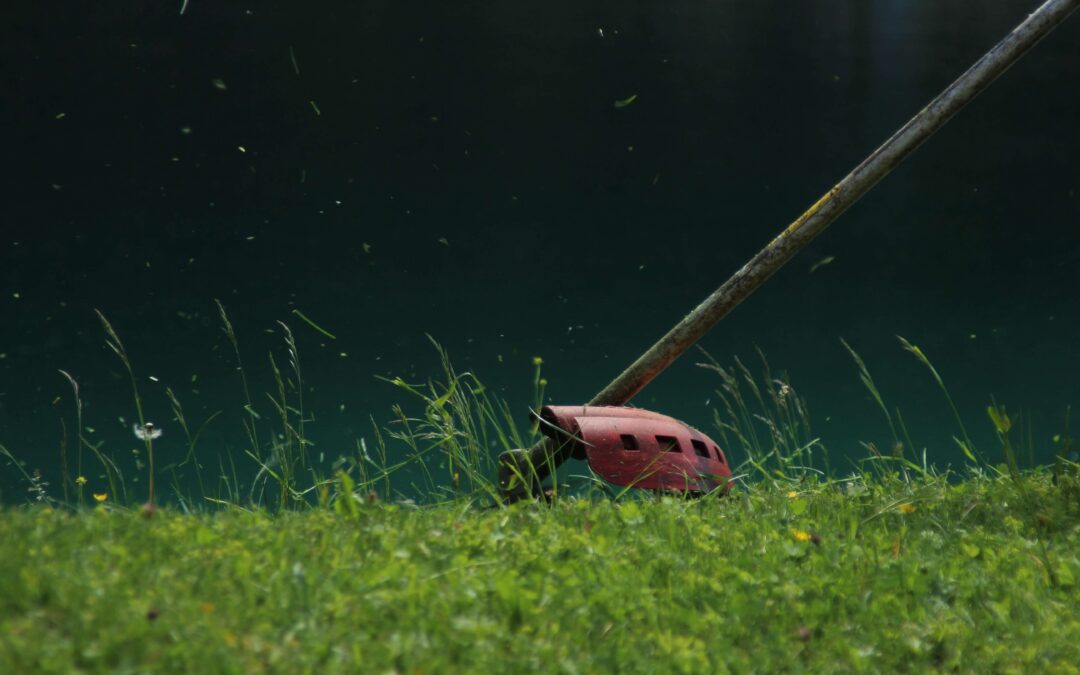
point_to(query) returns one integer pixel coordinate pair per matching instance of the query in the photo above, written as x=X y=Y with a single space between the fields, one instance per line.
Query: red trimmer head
x=637 y=448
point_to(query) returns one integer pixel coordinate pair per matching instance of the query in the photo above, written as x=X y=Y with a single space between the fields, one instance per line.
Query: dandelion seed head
x=146 y=432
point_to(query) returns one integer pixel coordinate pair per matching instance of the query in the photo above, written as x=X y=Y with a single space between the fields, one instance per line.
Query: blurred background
x=558 y=179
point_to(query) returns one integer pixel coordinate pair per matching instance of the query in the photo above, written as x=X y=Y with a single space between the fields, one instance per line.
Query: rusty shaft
x=837 y=200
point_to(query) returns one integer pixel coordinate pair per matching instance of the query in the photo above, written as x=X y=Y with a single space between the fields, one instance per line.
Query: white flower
x=146 y=432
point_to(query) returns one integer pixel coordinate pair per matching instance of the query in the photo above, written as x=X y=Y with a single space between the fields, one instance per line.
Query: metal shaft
x=813 y=222
x=837 y=200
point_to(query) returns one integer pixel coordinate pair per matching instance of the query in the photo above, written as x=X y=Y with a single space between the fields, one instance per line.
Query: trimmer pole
x=539 y=461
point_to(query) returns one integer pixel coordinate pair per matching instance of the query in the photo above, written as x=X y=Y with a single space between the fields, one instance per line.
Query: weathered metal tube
x=540 y=460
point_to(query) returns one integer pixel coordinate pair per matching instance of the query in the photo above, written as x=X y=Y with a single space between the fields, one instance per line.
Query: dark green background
x=492 y=126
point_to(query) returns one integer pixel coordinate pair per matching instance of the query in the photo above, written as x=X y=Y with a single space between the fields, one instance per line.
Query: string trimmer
x=634 y=447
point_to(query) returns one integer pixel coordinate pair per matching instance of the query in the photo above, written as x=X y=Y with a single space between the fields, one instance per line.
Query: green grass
x=977 y=576
x=315 y=567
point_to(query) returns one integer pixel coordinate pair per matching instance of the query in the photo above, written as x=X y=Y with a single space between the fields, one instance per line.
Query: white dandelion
x=146 y=432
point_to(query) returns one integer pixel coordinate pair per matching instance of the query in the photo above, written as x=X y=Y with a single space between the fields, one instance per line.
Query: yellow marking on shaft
x=807 y=215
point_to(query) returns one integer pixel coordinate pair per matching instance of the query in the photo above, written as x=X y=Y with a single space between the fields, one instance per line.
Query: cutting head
x=638 y=448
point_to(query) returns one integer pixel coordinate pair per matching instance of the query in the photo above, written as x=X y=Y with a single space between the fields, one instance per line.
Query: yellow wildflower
x=907 y=508
x=801 y=535
x=101 y=496
x=80 y=481
x=792 y=494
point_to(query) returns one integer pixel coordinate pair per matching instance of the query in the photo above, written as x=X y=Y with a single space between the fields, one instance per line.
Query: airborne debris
x=822 y=263
x=314 y=325
x=292 y=57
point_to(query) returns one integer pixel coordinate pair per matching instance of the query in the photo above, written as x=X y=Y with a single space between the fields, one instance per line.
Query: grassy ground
x=976 y=576
x=314 y=566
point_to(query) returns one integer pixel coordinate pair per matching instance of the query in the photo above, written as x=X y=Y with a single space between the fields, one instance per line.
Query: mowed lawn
x=850 y=576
